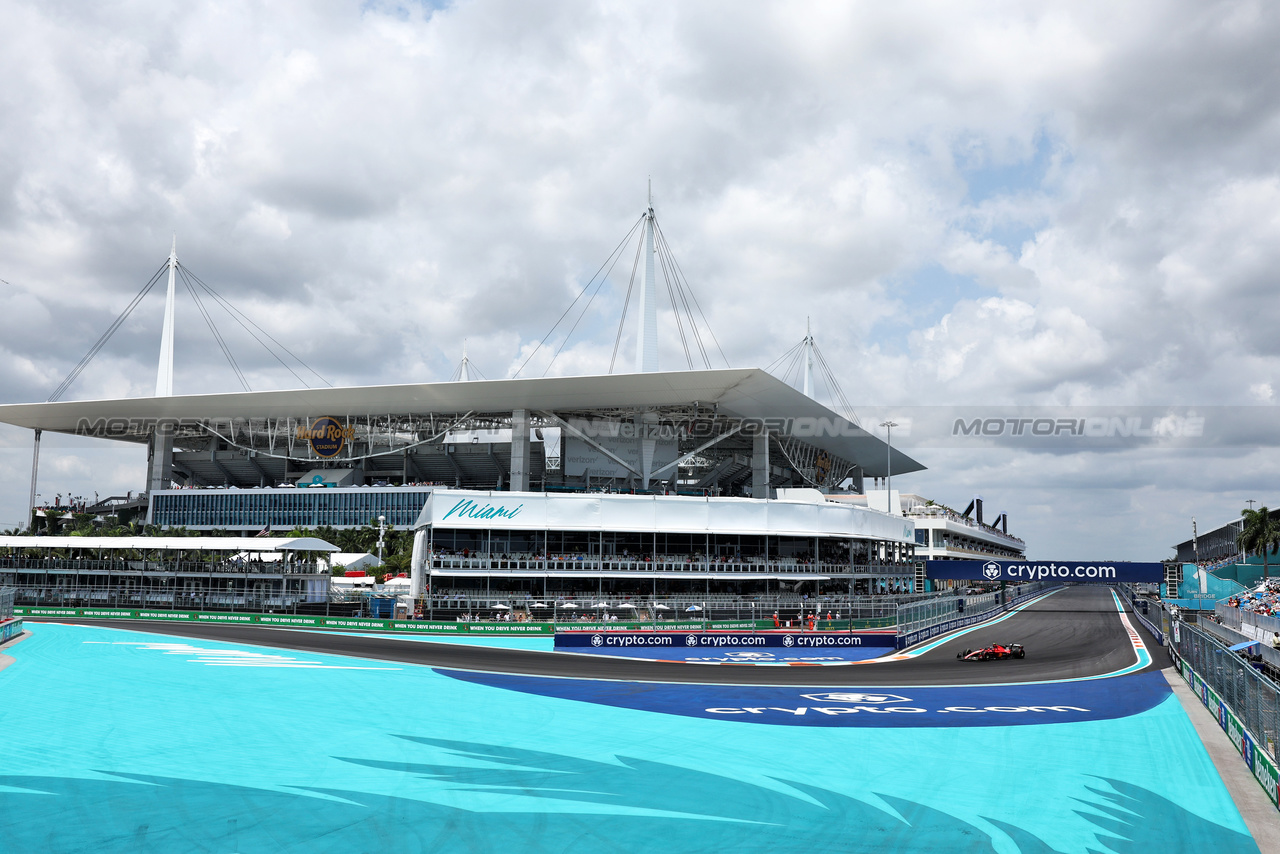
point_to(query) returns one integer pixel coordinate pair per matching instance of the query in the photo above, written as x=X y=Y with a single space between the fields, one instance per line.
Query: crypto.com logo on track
x=866 y=699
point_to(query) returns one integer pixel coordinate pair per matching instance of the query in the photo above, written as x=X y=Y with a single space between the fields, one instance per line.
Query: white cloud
x=376 y=182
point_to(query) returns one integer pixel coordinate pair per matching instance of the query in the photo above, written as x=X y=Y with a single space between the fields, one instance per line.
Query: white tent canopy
x=354 y=560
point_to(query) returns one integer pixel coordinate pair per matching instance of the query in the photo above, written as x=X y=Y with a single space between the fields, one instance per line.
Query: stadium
x=720 y=484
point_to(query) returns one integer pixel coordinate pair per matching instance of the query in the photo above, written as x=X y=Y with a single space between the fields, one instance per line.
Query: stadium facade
x=693 y=439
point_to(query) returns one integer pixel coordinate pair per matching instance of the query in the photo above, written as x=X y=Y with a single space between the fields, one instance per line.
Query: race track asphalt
x=1073 y=633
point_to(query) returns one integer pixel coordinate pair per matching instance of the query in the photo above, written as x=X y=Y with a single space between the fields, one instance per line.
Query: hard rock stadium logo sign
x=326 y=435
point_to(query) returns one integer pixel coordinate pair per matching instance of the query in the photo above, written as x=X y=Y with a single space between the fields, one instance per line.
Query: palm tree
x=1259 y=532
x=398 y=562
x=346 y=541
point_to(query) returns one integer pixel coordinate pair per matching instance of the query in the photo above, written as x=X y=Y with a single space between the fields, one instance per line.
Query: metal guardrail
x=1230 y=637
x=1152 y=613
x=1252 y=696
x=1238 y=619
x=923 y=615
x=922 y=620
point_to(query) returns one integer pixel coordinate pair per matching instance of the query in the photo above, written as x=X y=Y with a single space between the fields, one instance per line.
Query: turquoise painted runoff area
x=131 y=741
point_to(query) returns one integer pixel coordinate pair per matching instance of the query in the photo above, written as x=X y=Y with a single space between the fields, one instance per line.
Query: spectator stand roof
x=742 y=394
x=173 y=544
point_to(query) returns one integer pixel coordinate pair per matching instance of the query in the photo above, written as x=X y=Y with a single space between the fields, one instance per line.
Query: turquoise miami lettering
x=469 y=509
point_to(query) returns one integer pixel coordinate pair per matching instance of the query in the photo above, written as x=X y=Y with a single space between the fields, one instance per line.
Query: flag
x=266 y=531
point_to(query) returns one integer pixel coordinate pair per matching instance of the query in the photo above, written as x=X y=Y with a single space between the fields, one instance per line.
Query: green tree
x=53 y=521
x=356 y=540
x=397 y=563
x=1259 y=533
x=83 y=524
x=327 y=533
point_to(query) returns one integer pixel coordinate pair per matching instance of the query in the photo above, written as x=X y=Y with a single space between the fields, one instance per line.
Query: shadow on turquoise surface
x=690 y=810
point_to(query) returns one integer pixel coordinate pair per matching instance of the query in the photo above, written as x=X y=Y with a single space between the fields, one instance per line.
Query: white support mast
x=464 y=370
x=808 y=359
x=647 y=340
x=160 y=464
x=164 y=376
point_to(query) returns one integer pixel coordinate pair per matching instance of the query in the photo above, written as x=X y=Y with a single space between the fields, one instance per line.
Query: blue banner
x=1019 y=571
x=724 y=640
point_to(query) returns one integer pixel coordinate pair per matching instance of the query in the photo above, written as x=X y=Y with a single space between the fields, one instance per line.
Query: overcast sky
x=1066 y=205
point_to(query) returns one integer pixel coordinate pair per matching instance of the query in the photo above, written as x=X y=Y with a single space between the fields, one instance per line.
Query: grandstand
x=194 y=573
x=1216 y=545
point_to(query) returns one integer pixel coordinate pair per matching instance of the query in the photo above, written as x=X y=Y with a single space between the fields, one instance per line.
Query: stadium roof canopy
x=173 y=544
x=750 y=394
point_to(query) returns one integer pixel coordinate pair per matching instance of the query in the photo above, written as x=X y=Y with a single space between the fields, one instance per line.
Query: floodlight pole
x=1195 y=542
x=382 y=530
x=888 y=426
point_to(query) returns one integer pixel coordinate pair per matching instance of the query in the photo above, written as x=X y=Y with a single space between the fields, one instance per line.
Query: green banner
x=300 y=620
x=1267 y=775
x=429 y=626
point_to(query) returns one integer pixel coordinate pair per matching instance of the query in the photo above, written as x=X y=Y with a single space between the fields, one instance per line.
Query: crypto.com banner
x=1044 y=570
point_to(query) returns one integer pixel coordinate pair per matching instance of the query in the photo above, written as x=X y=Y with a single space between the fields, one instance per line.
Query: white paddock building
x=538 y=542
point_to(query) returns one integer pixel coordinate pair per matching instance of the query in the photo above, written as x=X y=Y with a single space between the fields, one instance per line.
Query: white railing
x=590 y=564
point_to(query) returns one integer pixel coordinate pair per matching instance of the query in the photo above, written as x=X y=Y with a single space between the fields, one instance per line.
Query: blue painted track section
x=775 y=656
x=121 y=741
x=877 y=707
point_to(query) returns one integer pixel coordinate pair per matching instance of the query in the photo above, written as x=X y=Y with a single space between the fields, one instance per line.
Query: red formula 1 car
x=990 y=653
